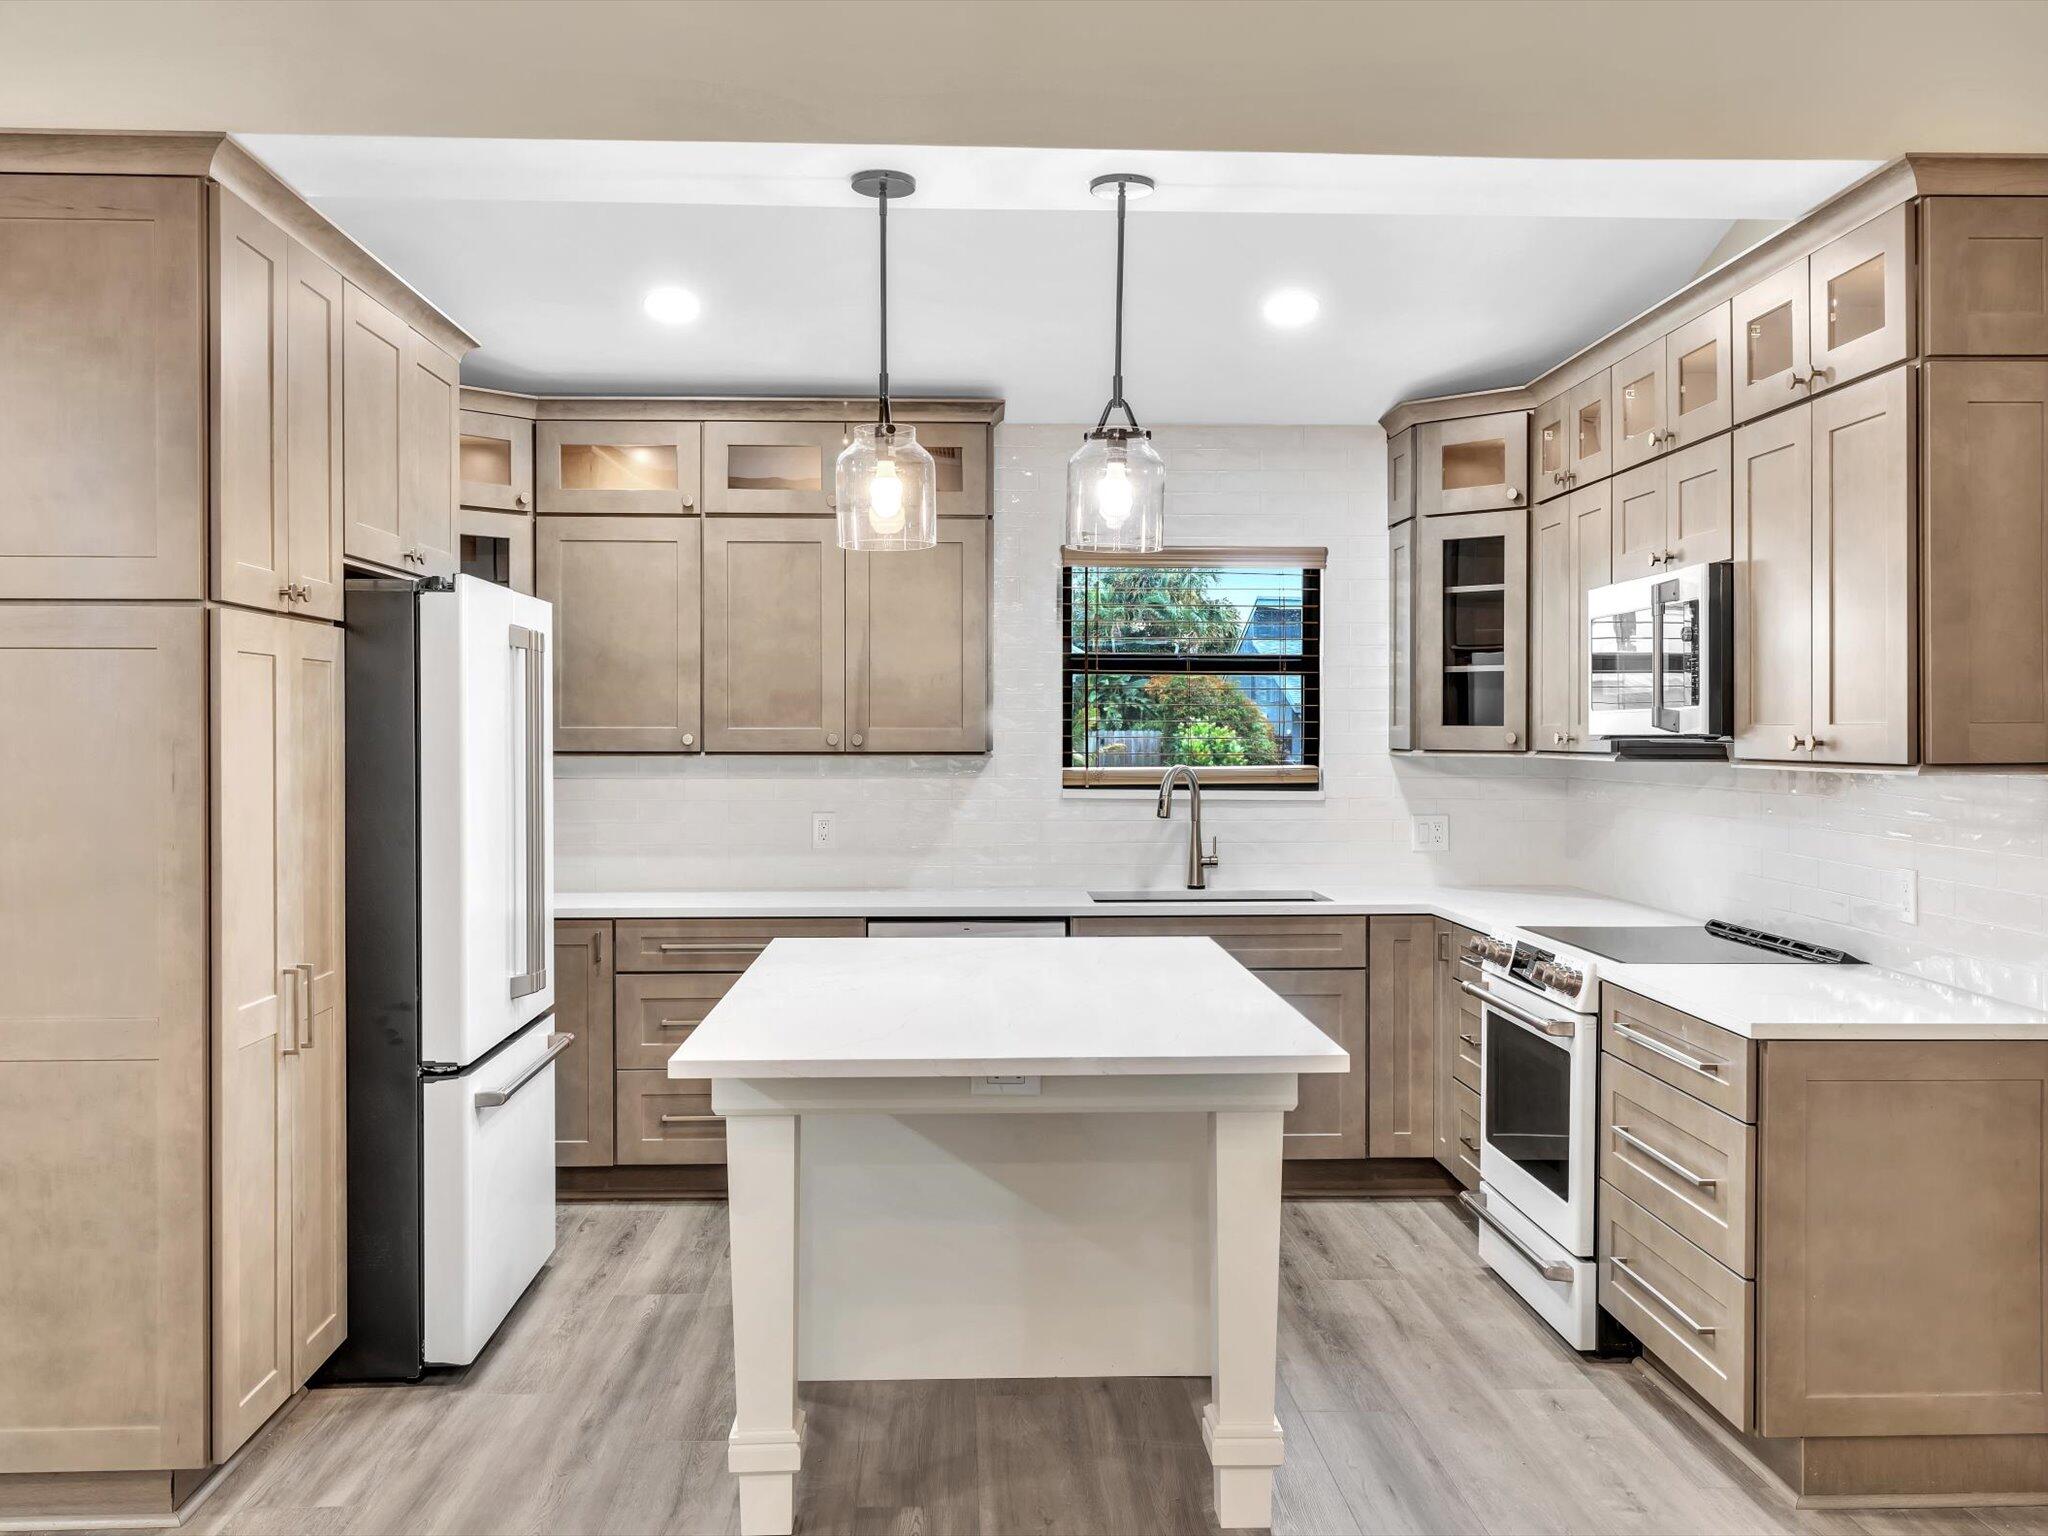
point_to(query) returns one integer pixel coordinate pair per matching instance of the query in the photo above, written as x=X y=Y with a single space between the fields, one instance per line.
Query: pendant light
x=1116 y=482
x=887 y=488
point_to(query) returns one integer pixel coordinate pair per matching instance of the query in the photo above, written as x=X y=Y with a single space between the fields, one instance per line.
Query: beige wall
x=1739 y=78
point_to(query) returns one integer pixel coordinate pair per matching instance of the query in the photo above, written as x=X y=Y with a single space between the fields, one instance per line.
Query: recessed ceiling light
x=672 y=305
x=1289 y=308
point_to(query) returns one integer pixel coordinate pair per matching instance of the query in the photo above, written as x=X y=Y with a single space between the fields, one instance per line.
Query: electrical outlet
x=1906 y=894
x=1429 y=834
x=824 y=831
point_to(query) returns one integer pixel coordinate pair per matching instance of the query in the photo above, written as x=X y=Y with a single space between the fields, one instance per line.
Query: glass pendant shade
x=887 y=491
x=1116 y=493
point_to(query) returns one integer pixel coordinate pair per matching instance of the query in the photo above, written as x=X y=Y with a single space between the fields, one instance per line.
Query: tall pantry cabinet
x=179 y=446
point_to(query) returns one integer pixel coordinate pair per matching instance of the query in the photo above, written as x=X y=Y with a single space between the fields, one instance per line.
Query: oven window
x=1529 y=1103
x=1620 y=661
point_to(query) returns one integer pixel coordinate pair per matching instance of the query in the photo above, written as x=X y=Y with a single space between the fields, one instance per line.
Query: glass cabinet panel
x=1471 y=632
x=487 y=460
x=1592 y=445
x=615 y=467
x=1696 y=381
x=1592 y=429
x=1768 y=324
x=771 y=466
x=1553 y=448
x=619 y=467
x=959 y=453
x=1770 y=345
x=1856 y=302
x=1639 y=406
x=494 y=456
x=1474 y=464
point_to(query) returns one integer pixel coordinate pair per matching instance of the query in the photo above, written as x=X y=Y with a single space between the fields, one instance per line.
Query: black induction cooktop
x=1714 y=944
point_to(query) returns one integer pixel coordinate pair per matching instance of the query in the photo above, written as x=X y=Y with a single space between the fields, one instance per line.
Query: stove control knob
x=1563 y=978
x=1477 y=947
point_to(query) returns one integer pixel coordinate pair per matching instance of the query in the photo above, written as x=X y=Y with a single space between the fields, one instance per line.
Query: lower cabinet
x=1329 y=1119
x=1400 y=1071
x=583 y=1073
x=1455 y=1059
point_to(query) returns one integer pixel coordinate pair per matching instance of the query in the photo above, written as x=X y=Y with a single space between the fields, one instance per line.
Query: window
x=1209 y=657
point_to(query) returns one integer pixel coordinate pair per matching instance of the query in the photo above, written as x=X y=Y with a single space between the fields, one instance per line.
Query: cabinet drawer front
x=1288 y=943
x=1690 y=1312
x=657 y=1013
x=1465 y=1135
x=1712 y=1064
x=1691 y=1167
x=1467 y=1042
x=719 y=943
x=665 y=1119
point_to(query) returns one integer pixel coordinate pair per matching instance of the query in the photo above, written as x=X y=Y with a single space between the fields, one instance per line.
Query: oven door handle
x=1554 y=1027
x=1549 y=1269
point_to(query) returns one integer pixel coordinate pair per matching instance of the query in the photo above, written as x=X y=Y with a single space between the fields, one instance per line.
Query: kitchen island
x=968 y=1158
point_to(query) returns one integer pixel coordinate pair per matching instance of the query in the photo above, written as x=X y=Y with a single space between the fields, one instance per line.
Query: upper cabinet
x=1772 y=360
x=613 y=467
x=1550 y=445
x=1471 y=631
x=496 y=458
x=917 y=676
x=1476 y=464
x=960 y=459
x=1984 y=270
x=427 y=454
x=1639 y=423
x=774 y=635
x=770 y=467
x=314 y=426
x=1673 y=512
x=1400 y=477
x=1573 y=445
x=102 y=387
x=1401 y=637
x=375 y=346
x=1697 y=401
x=1570 y=553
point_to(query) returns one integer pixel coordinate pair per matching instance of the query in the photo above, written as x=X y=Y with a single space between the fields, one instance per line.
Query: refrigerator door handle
x=535 y=975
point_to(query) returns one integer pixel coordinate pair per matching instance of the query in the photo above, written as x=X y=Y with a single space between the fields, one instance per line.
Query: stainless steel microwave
x=1660 y=654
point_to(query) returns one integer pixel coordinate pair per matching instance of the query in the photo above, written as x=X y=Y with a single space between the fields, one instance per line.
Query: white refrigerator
x=451 y=1094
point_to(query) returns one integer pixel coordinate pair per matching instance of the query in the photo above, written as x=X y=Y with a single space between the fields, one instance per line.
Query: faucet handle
x=1211 y=859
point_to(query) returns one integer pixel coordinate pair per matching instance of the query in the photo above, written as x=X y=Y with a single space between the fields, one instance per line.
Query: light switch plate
x=1906 y=894
x=824 y=830
x=1429 y=834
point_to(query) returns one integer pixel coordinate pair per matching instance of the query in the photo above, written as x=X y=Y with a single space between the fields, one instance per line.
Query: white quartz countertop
x=978 y=1007
x=1781 y=1002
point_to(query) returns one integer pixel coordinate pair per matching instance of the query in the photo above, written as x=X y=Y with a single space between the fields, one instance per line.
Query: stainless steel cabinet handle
x=1549 y=1269
x=534 y=977
x=491 y=1098
x=686 y=1119
x=1795 y=378
x=711 y=946
x=1541 y=1026
x=305 y=973
x=1814 y=743
x=1623 y=1270
x=676 y=1023
x=1663 y=1160
x=1699 y=1064
x=1469 y=1145
x=1471 y=1040
x=1796 y=743
x=288 y=1001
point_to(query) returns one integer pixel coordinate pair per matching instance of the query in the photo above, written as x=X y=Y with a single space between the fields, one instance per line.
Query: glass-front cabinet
x=772 y=468
x=607 y=468
x=1696 y=377
x=1401 y=637
x=496 y=457
x=1638 y=410
x=1471 y=631
x=1588 y=422
x=1856 y=299
x=1550 y=435
x=1472 y=465
x=1772 y=367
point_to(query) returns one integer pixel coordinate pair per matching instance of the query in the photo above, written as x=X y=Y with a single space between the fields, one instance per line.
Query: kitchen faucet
x=1199 y=863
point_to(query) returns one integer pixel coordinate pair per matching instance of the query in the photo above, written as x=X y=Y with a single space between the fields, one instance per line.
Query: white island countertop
x=1763 y=1002
x=811 y=1008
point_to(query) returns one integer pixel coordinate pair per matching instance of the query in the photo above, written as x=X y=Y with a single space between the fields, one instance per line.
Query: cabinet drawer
x=656 y=1013
x=665 y=1119
x=1468 y=1037
x=1690 y=1312
x=1691 y=1167
x=719 y=943
x=1262 y=943
x=1465 y=1135
x=1710 y=1063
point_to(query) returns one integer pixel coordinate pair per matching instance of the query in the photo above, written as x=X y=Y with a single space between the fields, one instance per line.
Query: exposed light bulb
x=885 y=499
x=1113 y=493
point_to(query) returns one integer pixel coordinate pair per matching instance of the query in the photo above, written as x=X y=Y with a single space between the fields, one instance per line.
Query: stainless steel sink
x=1112 y=897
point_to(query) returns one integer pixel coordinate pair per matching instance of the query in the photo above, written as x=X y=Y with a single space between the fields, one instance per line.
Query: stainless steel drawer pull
x=1623 y=1270
x=677 y=1023
x=1541 y=1026
x=1469 y=1145
x=1549 y=1269
x=1696 y=1180
x=1656 y=1047
x=1471 y=1040
x=491 y=1098
x=711 y=946
x=686 y=1119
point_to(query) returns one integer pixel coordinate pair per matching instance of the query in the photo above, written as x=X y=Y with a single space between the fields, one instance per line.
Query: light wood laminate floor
x=1417 y=1393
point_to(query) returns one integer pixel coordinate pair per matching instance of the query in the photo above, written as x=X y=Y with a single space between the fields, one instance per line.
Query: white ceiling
x=1434 y=275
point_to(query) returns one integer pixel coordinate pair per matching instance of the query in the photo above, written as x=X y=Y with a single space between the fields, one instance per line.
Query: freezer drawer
x=488 y=1191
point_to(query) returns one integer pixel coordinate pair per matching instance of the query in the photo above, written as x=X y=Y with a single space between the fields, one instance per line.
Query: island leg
x=1238 y=1425
x=766 y=1445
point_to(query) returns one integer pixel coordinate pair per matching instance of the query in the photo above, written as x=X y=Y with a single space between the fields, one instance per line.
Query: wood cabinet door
x=783 y=468
x=960 y=454
x=1592 y=428
x=426 y=449
x=1773 y=358
x=917 y=645
x=774 y=635
x=628 y=661
x=1984 y=276
x=1859 y=299
x=1638 y=406
x=1697 y=501
x=1936 y=1152
x=102 y=387
x=1592 y=519
x=1400 y=1074
x=1772 y=509
x=1553 y=609
x=375 y=348
x=495 y=462
x=1474 y=465
x=1642 y=521
x=317 y=1071
x=1864 y=626
x=1697 y=379
x=314 y=329
x=103 y=1034
x=611 y=468
x=256 y=1025
x=250 y=523
x=1401 y=477
x=584 y=1091
x=1472 y=632
x=496 y=546
x=1984 y=562
x=1401 y=637
x=1550 y=438
x=1329 y=1117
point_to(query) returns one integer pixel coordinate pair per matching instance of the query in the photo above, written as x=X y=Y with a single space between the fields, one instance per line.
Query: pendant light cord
x=888 y=422
x=1116 y=388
